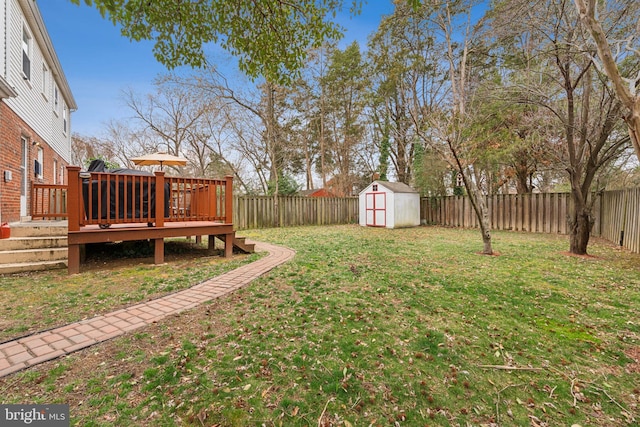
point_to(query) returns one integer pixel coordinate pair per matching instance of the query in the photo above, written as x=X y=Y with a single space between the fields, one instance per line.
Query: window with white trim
x=45 y=81
x=40 y=164
x=55 y=171
x=64 y=118
x=26 y=53
x=56 y=97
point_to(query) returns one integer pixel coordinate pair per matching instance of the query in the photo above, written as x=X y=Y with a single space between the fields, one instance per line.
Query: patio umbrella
x=159 y=158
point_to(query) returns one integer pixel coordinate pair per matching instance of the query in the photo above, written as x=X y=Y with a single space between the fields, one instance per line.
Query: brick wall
x=12 y=130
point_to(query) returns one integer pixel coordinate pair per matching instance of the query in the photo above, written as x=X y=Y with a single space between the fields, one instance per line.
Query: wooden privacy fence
x=289 y=211
x=616 y=214
x=536 y=213
x=619 y=218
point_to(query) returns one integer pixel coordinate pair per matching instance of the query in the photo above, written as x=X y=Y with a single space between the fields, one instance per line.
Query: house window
x=26 y=53
x=55 y=98
x=45 y=81
x=62 y=174
x=375 y=187
x=39 y=164
x=55 y=171
x=64 y=118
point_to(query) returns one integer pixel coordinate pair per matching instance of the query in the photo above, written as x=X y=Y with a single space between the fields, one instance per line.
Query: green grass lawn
x=376 y=327
x=37 y=301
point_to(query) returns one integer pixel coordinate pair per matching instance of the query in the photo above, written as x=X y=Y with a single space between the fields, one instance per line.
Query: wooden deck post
x=228 y=215
x=74 y=196
x=228 y=245
x=159 y=213
x=211 y=243
x=158 y=253
x=74 y=204
x=228 y=199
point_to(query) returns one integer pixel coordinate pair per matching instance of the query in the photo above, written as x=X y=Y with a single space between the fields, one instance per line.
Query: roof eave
x=6 y=91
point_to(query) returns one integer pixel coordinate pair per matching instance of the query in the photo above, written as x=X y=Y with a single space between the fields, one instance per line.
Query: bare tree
x=176 y=115
x=584 y=110
x=625 y=83
x=444 y=122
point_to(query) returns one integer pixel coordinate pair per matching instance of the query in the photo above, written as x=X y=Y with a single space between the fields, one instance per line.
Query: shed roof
x=396 y=187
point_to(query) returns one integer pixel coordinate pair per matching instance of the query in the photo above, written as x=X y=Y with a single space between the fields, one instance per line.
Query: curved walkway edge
x=44 y=346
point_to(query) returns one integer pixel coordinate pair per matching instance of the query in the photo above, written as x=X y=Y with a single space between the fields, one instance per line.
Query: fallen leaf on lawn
x=265 y=391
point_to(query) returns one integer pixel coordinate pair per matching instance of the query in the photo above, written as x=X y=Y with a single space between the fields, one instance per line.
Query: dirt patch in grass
x=114 y=256
x=585 y=256
x=633 y=354
x=494 y=253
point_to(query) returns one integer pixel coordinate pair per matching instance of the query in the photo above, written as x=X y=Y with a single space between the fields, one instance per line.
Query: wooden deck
x=108 y=207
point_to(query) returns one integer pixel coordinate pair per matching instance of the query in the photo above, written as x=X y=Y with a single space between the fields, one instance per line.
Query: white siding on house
x=34 y=107
x=3 y=44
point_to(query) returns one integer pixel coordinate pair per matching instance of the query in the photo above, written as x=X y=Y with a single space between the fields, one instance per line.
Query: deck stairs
x=34 y=246
x=241 y=244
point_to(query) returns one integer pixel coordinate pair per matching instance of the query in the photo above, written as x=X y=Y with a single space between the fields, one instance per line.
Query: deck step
x=19 y=243
x=33 y=255
x=38 y=229
x=241 y=244
x=34 y=246
x=24 y=267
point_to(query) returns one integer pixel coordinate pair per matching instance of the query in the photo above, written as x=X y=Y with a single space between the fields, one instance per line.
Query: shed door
x=376 y=207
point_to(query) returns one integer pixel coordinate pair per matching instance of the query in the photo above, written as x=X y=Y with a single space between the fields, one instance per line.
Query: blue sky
x=99 y=63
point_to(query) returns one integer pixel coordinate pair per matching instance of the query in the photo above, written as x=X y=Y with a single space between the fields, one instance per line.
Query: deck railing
x=48 y=201
x=103 y=199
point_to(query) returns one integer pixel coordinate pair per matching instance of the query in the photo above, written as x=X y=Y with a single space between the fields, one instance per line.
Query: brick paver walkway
x=43 y=346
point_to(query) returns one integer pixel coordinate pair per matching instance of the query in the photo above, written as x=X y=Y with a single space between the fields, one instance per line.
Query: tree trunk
x=580 y=225
x=485 y=226
x=633 y=123
x=630 y=99
x=477 y=203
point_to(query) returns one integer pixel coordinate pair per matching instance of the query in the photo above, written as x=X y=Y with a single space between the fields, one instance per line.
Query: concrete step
x=19 y=243
x=38 y=228
x=31 y=266
x=33 y=255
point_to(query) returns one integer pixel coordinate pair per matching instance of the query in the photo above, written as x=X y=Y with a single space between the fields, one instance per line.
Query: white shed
x=390 y=205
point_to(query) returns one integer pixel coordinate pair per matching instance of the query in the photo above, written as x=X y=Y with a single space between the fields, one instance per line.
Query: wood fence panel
x=291 y=211
x=612 y=215
x=633 y=219
x=616 y=214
